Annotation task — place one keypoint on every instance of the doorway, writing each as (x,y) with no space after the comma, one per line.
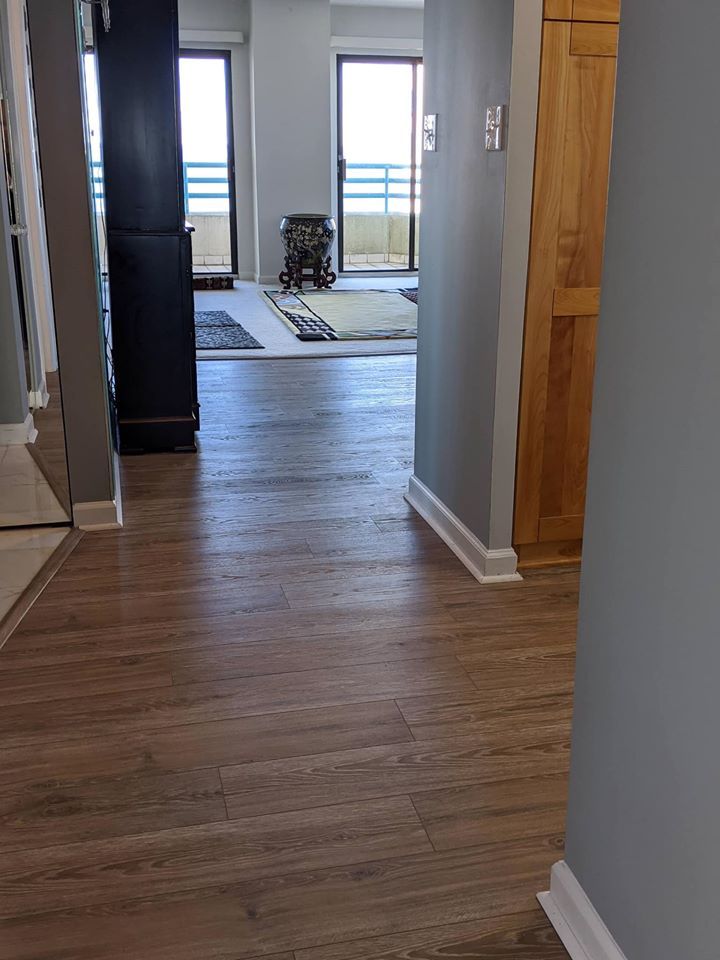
(379,162)
(209,159)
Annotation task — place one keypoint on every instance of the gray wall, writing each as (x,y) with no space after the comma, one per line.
(643,834)
(384,22)
(467,62)
(290,75)
(56,70)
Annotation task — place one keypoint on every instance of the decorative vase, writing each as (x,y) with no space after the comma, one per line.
(308,240)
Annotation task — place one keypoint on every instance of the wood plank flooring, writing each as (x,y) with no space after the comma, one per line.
(274,716)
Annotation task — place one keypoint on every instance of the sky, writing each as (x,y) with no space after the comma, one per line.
(377,121)
(377,127)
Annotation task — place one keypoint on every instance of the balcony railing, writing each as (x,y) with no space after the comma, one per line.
(384,175)
(196,176)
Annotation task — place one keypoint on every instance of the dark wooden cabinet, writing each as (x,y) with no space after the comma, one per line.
(149,244)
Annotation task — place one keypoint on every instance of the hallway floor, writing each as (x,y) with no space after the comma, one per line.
(274,714)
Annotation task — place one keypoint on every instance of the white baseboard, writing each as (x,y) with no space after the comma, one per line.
(17,433)
(575,920)
(98,515)
(246,275)
(39,399)
(271,281)
(487,566)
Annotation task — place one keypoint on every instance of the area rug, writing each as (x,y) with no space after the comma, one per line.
(216,330)
(346,314)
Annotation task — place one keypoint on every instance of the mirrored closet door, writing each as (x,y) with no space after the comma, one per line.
(34,485)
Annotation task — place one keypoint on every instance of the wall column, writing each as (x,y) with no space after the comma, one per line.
(643,844)
(475,229)
(290,83)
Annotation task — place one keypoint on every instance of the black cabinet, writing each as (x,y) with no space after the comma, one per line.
(149,245)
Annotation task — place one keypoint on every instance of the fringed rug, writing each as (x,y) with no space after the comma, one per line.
(347,314)
(216,330)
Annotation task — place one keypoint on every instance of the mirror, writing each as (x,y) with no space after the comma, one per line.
(34,484)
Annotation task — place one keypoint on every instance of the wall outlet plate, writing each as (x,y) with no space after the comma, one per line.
(430,132)
(495,128)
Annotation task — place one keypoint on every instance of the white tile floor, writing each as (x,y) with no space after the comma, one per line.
(23,553)
(246,304)
(373,265)
(25,495)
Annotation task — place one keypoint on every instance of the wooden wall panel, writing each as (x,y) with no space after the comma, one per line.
(597,10)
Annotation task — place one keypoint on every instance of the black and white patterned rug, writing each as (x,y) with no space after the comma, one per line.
(216,330)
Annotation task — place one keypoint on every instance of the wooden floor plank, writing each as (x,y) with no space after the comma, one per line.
(156,864)
(306,782)
(524,936)
(62,682)
(271,915)
(286,656)
(515,709)
(493,812)
(155,709)
(38,642)
(46,765)
(61,811)
(274,613)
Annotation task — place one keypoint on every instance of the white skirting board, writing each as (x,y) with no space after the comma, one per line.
(17,433)
(39,399)
(102,514)
(575,920)
(487,566)
(98,515)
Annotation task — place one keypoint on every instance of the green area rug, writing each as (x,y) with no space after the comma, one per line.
(347,314)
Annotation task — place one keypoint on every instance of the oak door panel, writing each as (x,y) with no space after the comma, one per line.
(594,39)
(558,9)
(577,90)
(576,302)
(602,10)
(549,169)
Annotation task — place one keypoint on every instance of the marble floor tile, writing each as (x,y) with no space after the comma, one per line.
(23,553)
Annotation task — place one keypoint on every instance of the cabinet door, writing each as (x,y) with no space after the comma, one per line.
(577,93)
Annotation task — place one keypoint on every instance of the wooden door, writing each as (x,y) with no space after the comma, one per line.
(577,94)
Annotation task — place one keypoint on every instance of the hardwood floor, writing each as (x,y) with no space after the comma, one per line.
(274,716)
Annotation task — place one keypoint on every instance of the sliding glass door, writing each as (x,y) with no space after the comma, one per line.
(379,162)
(208,159)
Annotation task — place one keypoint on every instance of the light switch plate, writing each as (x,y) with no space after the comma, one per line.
(430,132)
(495,128)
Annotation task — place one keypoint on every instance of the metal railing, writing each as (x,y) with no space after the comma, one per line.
(194,179)
(384,174)
(196,175)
